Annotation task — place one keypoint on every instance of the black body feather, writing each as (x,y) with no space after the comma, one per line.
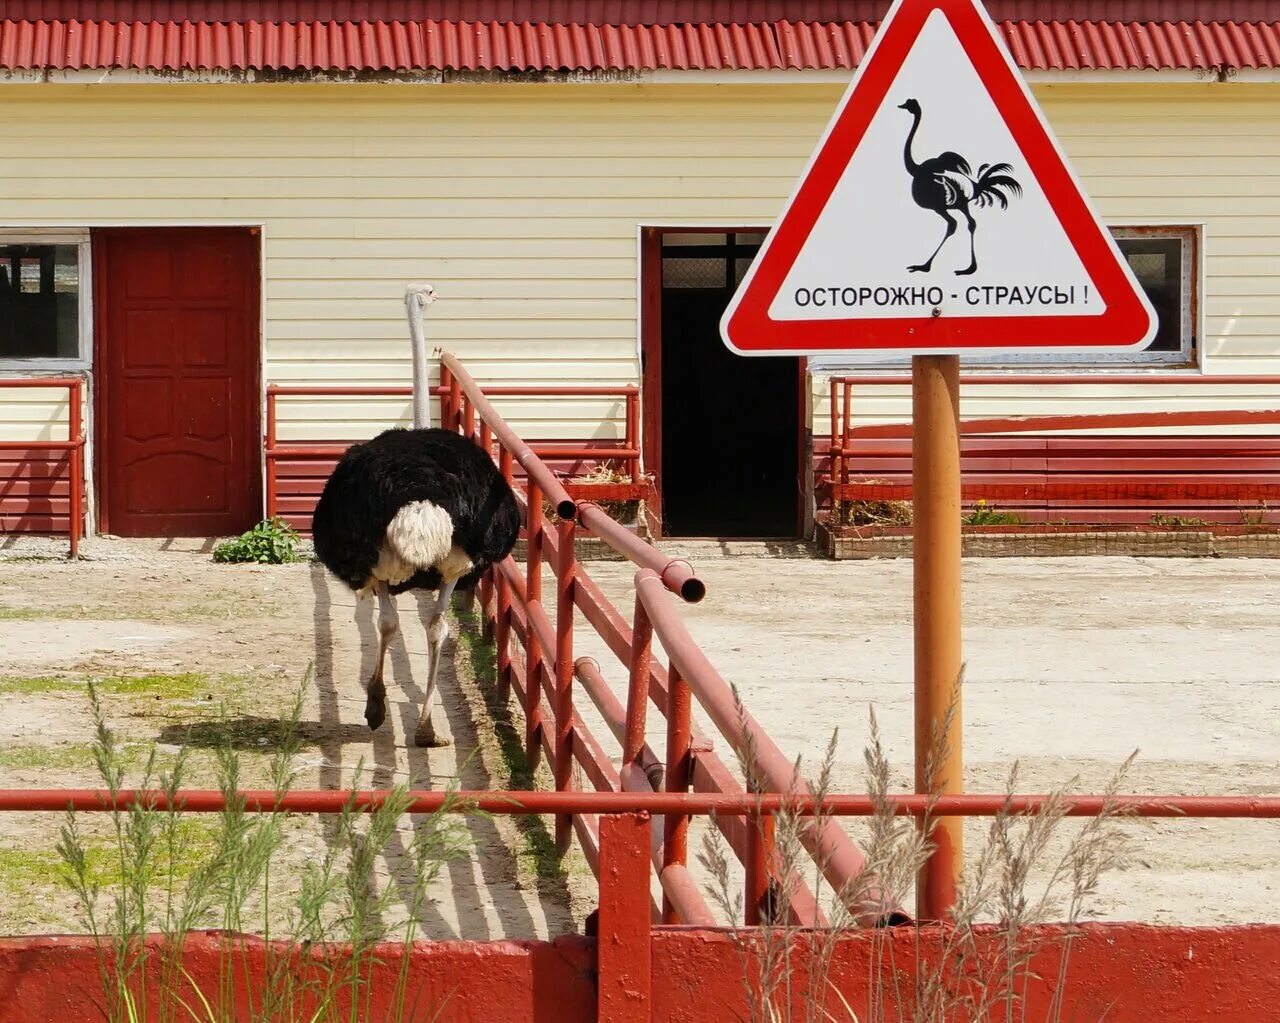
(374,480)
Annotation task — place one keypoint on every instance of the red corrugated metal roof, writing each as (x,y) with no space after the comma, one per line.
(408,47)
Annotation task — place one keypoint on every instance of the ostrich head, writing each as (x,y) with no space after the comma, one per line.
(911,106)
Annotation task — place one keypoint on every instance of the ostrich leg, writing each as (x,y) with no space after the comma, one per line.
(375,707)
(427,733)
(973,254)
(951,229)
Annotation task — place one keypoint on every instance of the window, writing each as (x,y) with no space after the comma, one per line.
(41,299)
(1162,259)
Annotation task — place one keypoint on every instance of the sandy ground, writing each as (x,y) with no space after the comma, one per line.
(177,638)
(1072,664)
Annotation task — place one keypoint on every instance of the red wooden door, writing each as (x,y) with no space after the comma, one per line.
(177,327)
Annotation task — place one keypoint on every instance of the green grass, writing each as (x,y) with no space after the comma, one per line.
(480,661)
(24,869)
(217,606)
(63,756)
(983,514)
(185,685)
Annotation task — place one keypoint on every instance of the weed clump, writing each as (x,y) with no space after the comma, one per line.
(271,542)
(161,876)
(979,965)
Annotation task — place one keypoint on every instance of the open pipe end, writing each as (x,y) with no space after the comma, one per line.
(693,590)
(894,918)
(567,510)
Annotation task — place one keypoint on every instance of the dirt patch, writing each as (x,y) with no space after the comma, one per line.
(189,653)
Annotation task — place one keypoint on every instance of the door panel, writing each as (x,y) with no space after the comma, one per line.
(178,380)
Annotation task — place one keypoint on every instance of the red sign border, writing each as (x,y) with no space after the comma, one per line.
(1127,322)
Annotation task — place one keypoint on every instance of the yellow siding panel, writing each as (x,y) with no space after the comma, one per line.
(522,204)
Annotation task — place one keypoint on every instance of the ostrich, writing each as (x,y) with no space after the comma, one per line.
(946,183)
(413,509)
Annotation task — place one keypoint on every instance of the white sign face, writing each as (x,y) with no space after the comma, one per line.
(937,209)
(938,215)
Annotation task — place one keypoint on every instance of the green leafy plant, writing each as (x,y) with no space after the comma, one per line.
(271,542)
(983,514)
(1176,521)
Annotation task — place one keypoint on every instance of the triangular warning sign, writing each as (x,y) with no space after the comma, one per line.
(937,215)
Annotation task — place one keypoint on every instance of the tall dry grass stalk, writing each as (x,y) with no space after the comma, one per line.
(318,968)
(979,965)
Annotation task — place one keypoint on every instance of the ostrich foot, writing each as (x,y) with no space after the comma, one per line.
(428,736)
(375,705)
(920,268)
(972,268)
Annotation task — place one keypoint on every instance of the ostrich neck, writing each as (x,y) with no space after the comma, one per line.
(912,166)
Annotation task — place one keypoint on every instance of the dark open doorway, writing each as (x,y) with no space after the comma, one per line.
(723,431)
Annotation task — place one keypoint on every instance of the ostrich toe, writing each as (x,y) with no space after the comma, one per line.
(375,706)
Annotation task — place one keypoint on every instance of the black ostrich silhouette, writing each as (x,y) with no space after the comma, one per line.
(946,184)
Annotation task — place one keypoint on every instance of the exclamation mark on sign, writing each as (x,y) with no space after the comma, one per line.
(1086,294)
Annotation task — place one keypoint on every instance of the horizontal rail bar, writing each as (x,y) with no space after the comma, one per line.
(676,575)
(1066,379)
(42,445)
(696,803)
(1091,421)
(537,471)
(404,390)
(288,450)
(36,382)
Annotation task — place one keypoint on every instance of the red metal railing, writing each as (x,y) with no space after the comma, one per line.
(625,455)
(73,446)
(627,983)
(536,660)
(850,467)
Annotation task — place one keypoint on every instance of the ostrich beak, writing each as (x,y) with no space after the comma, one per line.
(903,106)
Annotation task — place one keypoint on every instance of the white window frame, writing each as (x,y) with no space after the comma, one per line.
(60,236)
(1188,357)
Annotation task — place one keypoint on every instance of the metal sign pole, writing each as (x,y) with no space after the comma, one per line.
(935,482)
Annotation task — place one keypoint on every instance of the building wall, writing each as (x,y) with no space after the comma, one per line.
(521,204)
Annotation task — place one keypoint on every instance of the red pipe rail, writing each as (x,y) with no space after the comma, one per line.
(74,446)
(627,456)
(535,659)
(698,804)
(841,487)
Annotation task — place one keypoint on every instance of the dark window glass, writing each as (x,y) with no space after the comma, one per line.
(1157,263)
(39,301)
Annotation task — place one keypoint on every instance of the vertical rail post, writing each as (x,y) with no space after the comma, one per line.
(75,467)
(935,476)
(846,430)
(623,956)
(533,591)
(638,685)
(675,826)
(455,404)
(468,419)
(759,856)
(563,710)
(837,446)
(446,396)
(272,501)
(502,628)
(486,437)
(632,439)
